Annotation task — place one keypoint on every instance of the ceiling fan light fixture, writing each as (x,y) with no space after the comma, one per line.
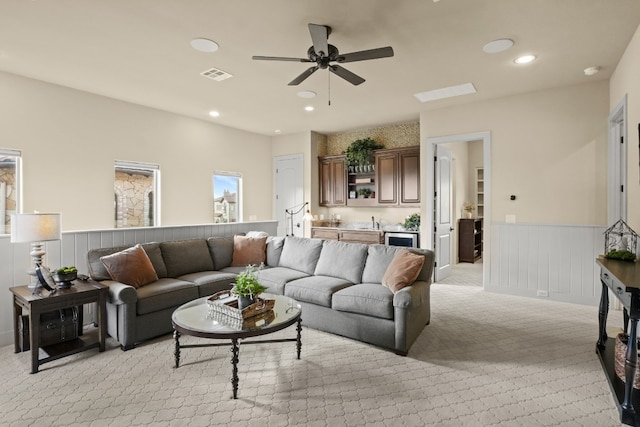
(204,45)
(497,46)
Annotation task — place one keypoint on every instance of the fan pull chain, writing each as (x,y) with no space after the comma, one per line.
(329,84)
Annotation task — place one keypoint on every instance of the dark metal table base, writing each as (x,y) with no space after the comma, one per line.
(235,351)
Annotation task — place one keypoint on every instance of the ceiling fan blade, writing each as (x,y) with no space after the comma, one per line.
(352,78)
(363,55)
(320,36)
(302,77)
(280,58)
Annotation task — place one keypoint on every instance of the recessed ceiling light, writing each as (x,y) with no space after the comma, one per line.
(278,131)
(204,45)
(525,59)
(214,114)
(497,46)
(307,94)
(446,92)
(309,108)
(591,71)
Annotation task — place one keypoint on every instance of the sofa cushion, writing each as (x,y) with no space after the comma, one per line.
(155,256)
(370,299)
(274,250)
(210,282)
(300,254)
(165,293)
(276,278)
(378,258)
(342,260)
(403,270)
(186,256)
(130,266)
(221,249)
(248,250)
(315,289)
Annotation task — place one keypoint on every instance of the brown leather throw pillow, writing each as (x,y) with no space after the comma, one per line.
(131,266)
(248,250)
(403,270)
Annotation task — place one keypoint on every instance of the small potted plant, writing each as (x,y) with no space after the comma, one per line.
(359,155)
(412,222)
(364,193)
(468,208)
(247,286)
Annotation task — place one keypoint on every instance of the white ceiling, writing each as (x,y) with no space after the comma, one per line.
(138,51)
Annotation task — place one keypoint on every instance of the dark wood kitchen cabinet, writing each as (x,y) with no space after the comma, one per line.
(398,176)
(333,183)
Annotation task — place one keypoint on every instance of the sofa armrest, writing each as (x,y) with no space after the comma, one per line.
(119,293)
(415,295)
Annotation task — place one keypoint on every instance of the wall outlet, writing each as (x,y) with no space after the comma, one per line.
(543,293)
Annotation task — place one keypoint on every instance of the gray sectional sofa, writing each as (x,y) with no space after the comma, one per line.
(337,284)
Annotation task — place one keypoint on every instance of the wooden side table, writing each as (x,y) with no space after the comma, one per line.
(77,295)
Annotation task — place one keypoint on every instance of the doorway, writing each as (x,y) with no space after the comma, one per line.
(289,191)
(471,178)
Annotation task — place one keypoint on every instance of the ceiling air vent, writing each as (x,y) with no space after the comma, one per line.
(216,74)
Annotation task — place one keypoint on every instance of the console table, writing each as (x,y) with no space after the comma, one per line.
(77,295)
(623,278)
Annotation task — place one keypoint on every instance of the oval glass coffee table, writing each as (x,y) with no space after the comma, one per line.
(195,318)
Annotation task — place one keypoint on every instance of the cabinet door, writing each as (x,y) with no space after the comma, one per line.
(410,177)
(339,174)
(326,185)
(387,179)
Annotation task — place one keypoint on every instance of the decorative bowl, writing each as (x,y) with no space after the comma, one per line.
(64,279)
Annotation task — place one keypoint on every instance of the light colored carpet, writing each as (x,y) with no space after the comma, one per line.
(485,360)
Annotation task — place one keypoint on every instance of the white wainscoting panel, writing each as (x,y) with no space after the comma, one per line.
(73,248)
(559,260)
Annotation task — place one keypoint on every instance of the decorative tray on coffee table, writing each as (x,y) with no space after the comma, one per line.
(226,303)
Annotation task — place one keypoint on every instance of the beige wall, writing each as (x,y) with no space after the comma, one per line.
(69,140)
(548,148)
(625,81)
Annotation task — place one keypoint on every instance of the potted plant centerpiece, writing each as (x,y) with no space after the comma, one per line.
(247,286)
(359,155)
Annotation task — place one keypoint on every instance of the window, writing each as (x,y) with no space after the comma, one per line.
(136,194)
(227,197)
(10,194)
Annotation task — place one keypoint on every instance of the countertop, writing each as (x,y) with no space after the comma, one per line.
(359,226)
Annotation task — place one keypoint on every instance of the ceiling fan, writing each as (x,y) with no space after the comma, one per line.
(323,54)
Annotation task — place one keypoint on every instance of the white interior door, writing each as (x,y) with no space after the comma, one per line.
(289,192)
(443,213)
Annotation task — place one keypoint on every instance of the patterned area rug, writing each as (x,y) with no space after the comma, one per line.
(485,360)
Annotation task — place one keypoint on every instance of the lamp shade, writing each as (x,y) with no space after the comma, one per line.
(35,227)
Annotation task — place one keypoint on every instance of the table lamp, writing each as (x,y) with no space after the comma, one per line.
(35,228)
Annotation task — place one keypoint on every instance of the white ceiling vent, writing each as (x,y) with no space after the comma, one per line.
(216,74)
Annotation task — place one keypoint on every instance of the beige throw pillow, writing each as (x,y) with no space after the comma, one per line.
(403,270)
(248,250)
(131,266)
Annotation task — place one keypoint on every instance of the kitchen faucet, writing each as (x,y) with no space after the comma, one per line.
(375,225)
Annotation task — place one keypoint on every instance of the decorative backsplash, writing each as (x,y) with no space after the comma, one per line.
(390,136)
